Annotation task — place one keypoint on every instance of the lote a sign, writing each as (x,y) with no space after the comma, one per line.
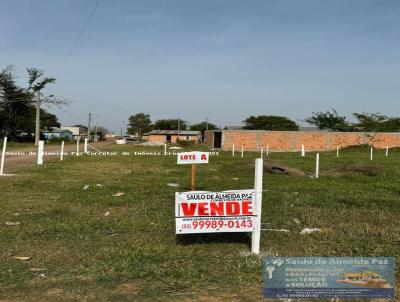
(194,157)
(213,212)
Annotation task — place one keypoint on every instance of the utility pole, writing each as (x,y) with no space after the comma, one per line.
(179,126)
(206,124)
(95,133)
(88,127)
(37,126)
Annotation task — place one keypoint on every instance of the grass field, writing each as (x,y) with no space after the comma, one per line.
(88,245)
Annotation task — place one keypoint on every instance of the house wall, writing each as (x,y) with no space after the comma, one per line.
(157,138)
(174,138)
(253,140)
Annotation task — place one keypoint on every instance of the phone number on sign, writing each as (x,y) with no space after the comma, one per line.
(217,224)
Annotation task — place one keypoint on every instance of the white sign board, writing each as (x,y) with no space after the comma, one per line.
(194,157)
(215,212)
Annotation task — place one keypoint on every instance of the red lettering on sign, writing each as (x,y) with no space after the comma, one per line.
(246,208)
(189,209)
(188,157)
(203,209)
(203,157)
(229,208)
(216,208)
(232,208)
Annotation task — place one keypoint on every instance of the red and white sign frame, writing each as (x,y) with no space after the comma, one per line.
(202,214)
(215,212)
(194,157)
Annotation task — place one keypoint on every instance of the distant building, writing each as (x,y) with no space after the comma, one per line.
(284,141)
(172,136)
(58,134)
(77,132)
(233,127)
(312,128)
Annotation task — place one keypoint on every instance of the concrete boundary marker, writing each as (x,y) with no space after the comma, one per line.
(317,166)
(40,153)
(3,156)
(258,187)
(62,151)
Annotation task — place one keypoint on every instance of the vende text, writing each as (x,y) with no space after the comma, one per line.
(227,208)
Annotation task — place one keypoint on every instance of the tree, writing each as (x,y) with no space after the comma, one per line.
(15,104)
(375,122)
(329,120)
(139,123)
(270,122)
(36,83)
(17,112)
(48,120)
(203,126)
(170,124)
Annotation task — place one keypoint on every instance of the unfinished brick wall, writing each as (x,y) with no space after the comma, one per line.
(253,140)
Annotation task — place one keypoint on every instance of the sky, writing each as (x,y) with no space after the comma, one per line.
(223,60)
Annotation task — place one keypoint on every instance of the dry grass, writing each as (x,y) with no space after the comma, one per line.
(132,254)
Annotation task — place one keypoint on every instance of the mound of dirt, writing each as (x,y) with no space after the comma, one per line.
(353,168)
(273,167)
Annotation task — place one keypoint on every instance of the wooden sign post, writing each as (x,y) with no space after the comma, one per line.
(193,158)
(193,184)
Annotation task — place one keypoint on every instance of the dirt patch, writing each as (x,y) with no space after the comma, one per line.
(352,169)
(127,288)
(273,167)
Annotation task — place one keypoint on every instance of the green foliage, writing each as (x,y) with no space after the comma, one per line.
(270,122)
(329,120)
(203,127)
(170,124)
(17,108)
(375,122)
(139,123)
(36,81)
(368,122)
(48,120)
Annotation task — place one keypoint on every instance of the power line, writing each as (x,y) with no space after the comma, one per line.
(78,38)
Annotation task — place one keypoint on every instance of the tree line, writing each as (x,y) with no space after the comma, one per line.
(141,123)
(17,104)
(330,120)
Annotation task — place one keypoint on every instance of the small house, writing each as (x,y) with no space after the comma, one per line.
(58,134)
(172,136)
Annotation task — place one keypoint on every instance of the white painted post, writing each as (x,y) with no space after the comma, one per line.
(262,152)
(62,151)
(387,151)
(371,157)
(40,153)
(317,166)
(3,156)
(77,147)
(337,151)
(267,150)
(233,150)
(242,151)
(165,148)
(85,147)
(258,187)
(303,151)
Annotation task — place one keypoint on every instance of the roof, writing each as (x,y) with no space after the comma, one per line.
(172,132)
(57,131)
(233,127)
